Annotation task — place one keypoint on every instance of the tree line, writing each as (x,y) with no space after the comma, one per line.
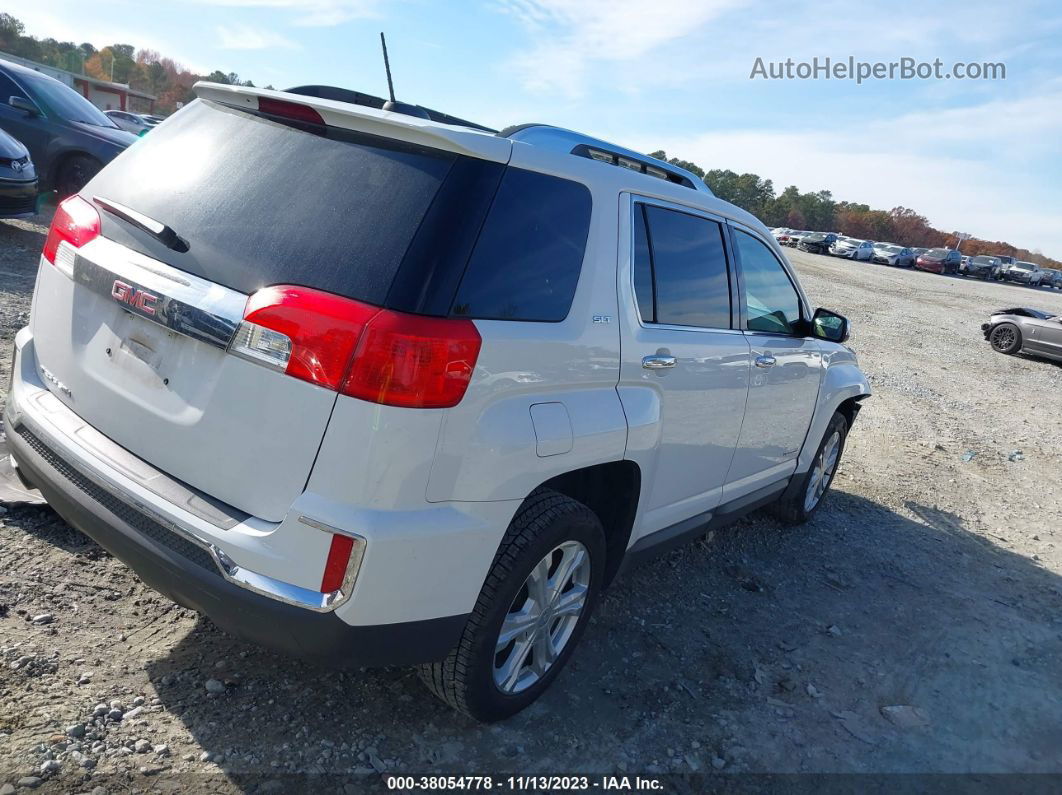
(820,212)
(145,70)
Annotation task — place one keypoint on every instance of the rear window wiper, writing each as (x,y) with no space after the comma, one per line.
(164,234)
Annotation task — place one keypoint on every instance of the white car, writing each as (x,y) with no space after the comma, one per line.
(850,248)
(130,122)
(408,426)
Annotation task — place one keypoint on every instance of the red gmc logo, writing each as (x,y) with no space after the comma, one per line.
(139,299)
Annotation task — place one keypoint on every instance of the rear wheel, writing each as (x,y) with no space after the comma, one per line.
(531,612)
(1005,338)
(805,495)
(75,173)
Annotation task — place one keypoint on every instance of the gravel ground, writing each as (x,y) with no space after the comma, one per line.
(913,626)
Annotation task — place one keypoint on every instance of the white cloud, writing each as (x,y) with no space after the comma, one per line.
(314,13)
(569,35)
(243,37)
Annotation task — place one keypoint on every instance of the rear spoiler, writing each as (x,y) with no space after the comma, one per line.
(399,126)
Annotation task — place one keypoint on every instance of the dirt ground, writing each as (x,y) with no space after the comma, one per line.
(915,626)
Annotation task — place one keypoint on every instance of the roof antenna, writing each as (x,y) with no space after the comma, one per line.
(393,104)
(387,67)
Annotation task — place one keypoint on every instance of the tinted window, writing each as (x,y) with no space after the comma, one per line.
(261,202)
(643,267)
(526,263)
(771,301)
(62,100)
(8,89)
(689,269)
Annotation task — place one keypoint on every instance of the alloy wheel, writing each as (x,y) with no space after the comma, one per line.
(822,471)
(542,617)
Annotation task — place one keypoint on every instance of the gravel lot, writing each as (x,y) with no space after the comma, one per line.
(914,626)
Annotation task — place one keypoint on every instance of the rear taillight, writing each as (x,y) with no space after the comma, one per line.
(75,223)
(359,350)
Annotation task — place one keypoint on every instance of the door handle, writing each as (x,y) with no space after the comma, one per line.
(765,361)
(658,362)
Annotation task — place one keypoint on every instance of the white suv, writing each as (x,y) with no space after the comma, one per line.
(369,388)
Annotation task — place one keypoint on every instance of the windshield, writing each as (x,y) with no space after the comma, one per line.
(984,260)
(893,249)
(938,252)
(66,103)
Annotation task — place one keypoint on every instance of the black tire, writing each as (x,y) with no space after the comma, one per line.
(792,508)
(465,678)
(1005,338)
(75,173)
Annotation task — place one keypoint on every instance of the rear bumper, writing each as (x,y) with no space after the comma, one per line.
(132,528)
(258,619)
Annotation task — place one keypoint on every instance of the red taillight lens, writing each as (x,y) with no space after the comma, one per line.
(289,110)
(75,221)
(374,354)
(335,570)
(322,331)
(413,361)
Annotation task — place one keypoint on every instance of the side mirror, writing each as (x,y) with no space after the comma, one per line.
(23,104)
(829,326)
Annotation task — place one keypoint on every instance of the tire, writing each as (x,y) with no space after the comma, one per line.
(1005,338)
(75,173)
(796,506)
(548,526)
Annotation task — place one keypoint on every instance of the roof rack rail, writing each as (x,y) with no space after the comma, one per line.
(562,140)
(370,101)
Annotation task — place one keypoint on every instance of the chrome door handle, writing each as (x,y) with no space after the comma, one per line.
(658,362)
(765,361)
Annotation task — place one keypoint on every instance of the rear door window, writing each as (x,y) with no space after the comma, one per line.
(689,284)
(527,260)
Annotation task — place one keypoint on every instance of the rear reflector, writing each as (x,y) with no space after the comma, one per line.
(75,222)
(289,110)
(360,350)
(336,565)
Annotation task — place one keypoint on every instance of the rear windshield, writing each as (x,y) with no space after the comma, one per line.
(260,202)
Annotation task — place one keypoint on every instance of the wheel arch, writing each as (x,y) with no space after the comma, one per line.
(611,490)
(60,159)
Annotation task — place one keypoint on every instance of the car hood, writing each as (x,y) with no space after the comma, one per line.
(109,134)
(1024,311)
(11,148)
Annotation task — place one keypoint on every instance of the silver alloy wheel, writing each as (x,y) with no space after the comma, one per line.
(822,471)
(542,617)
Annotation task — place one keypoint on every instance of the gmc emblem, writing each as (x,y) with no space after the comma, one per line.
(135,297)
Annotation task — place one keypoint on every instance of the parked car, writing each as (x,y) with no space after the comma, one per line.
(1025,330)
(892,254)
(18,179)
(850,248)
(981,266)
(939,260)
(69,139)
(1028,273)
(793,238)
(403,511)
(130,122)
(1052,278)
(817,242)
(918,252)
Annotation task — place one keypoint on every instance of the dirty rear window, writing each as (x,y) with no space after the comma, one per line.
(262,202)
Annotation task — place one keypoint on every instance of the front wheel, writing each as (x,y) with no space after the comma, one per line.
(805,495)
(75,174)
(1005,338)
(531,612)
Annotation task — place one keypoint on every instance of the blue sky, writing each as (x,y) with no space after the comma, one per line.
(983,157)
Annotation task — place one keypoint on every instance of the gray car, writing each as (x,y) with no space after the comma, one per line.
(69,139)
(1025,330)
